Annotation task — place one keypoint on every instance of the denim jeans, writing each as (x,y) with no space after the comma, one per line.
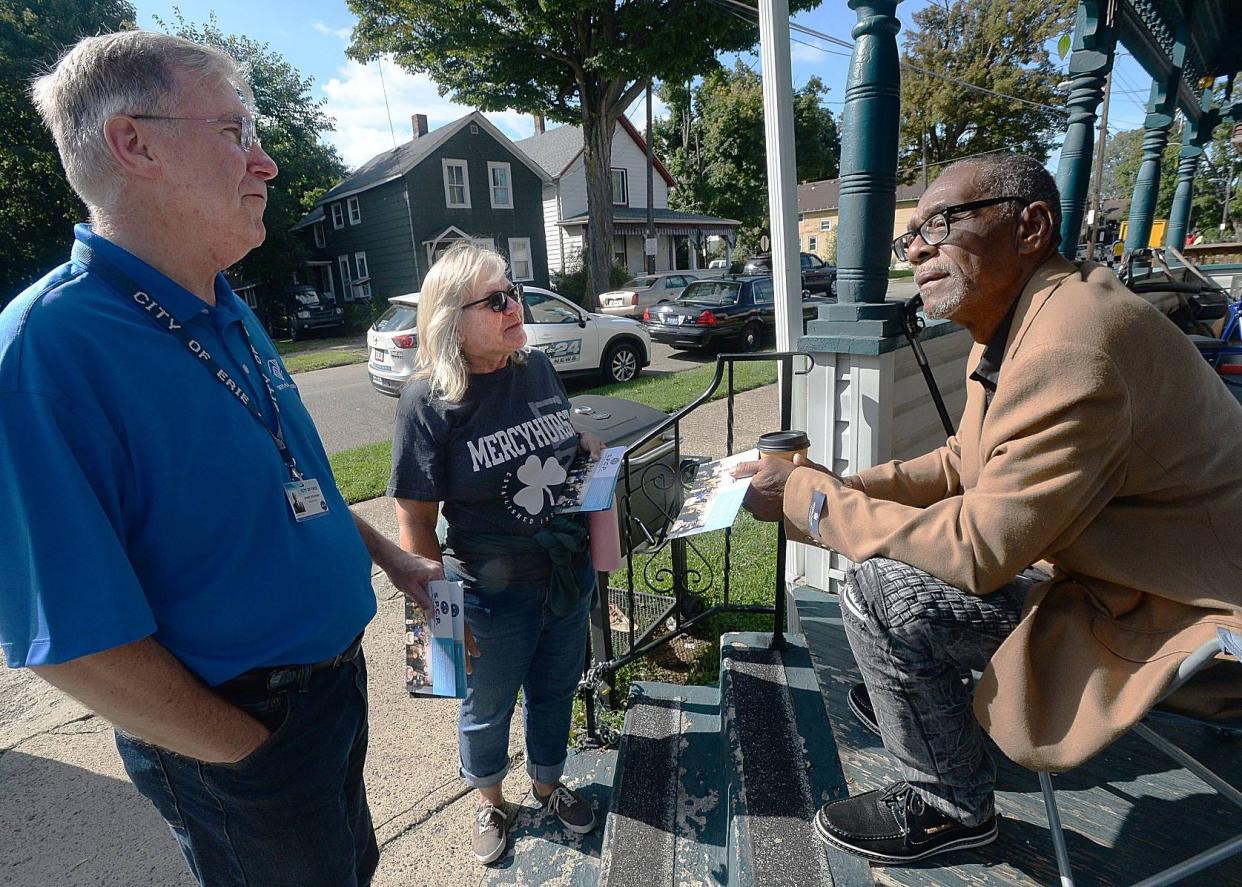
(915,638)
(292,814)
(522,645)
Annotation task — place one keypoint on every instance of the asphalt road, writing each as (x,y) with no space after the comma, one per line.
(349,412)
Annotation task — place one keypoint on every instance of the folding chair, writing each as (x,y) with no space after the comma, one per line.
(1225,642)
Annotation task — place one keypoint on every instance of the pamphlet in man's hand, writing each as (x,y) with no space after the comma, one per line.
(714,497)
(435,646)
(589,485)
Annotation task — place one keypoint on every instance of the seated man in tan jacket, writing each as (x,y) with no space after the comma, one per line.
(1095,440)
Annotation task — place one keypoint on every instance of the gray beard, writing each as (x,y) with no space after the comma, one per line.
(949,303)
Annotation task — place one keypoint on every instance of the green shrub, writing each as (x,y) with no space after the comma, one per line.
(572,283)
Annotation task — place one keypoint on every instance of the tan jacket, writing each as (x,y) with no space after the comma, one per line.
(1111,450)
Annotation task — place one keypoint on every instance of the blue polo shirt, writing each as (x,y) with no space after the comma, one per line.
(139,497)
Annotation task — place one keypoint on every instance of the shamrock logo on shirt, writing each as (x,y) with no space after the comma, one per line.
(537,478)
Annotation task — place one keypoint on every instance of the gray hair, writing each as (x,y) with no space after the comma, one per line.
(448,285)
(1019,175)
(128,72)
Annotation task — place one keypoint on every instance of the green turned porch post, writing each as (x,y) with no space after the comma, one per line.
(1095,39)
(1161,109)
(1194,138)
(868,203)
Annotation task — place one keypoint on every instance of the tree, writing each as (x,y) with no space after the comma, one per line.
(713,141)
(290,123)
(39,207)
(999,45)
(574,61)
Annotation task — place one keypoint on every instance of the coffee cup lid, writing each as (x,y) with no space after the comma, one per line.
(783,441)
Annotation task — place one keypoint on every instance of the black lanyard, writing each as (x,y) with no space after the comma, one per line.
(163,319)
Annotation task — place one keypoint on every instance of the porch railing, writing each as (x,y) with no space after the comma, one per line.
(649,497)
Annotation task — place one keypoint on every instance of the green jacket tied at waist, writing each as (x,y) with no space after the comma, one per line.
(563,540)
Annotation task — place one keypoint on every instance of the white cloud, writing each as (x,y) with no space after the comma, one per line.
(801,52)
(355,98)
(342,34)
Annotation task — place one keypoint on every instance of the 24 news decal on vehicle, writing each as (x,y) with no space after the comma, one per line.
(563,351)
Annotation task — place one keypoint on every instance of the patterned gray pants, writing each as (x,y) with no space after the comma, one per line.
(915,638)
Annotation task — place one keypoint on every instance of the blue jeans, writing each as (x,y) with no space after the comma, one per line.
(292,814)
(522,645)
(914,638)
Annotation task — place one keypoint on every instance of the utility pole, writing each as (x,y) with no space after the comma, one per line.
(1098,172)
(924,158)
(649,247)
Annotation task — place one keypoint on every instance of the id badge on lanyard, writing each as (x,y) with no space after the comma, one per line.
(303,494)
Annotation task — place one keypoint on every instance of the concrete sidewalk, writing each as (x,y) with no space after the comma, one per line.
(71,817)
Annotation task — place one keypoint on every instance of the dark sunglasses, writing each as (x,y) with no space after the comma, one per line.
(499,300)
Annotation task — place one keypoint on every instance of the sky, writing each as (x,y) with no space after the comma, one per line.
(313,35)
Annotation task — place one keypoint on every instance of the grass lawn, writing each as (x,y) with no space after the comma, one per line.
(362,472)
(901,275)
(319,354)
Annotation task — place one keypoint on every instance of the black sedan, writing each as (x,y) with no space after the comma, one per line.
(737,310)
(817,275)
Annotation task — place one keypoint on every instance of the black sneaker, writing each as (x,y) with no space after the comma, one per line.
(859,701)
(894,826)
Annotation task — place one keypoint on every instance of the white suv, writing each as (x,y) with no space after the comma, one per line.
(577,341)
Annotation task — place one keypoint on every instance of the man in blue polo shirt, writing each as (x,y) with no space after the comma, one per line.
(174,551)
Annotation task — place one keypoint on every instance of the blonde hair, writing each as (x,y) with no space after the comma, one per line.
(448,285)
(128,72)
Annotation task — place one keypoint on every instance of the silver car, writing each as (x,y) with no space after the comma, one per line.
(639,293)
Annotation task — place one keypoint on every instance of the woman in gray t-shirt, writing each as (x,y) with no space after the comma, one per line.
(484,429)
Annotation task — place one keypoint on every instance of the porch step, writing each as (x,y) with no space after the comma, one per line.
(666,822)
(781,764)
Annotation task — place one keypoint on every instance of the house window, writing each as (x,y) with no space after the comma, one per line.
(618,249)
(498,178)
(342,264)
(520,265)
(825,224)
(620,187)
(319,238)
(456,184)
(812,243)
(801,217)
(338,217)
(355,211)
(362,287)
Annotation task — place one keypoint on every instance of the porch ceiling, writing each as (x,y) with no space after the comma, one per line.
(1149,29)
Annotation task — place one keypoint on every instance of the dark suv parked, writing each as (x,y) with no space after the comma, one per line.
(817,275)
(300,308)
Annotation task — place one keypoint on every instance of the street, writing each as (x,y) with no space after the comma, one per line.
(348,412)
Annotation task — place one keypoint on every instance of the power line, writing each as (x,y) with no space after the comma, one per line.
(837,41)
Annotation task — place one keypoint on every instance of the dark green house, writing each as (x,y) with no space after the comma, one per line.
(377,233)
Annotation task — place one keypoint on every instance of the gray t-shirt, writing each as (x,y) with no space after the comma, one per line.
(496,460)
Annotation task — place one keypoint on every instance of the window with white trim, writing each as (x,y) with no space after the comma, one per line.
(812,243)
(342,265)
(620,187)
(825,224)
(355,211)
(362,287)
(320,241)
(500,186)
(520,264)
(456,184)
(338,217)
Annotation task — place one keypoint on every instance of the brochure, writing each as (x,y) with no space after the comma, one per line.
(435,653)
(589,485)
(714,497)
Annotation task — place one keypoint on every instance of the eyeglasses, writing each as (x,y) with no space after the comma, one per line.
(499,300)
(935,228)
(247,136)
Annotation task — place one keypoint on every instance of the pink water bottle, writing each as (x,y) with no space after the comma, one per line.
(605,529)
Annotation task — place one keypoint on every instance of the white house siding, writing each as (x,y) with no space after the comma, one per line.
(551,230)
(627,155)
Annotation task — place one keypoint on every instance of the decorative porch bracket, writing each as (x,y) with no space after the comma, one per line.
(1194,140)
(1161,109)
(1095,42)
(869,136)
